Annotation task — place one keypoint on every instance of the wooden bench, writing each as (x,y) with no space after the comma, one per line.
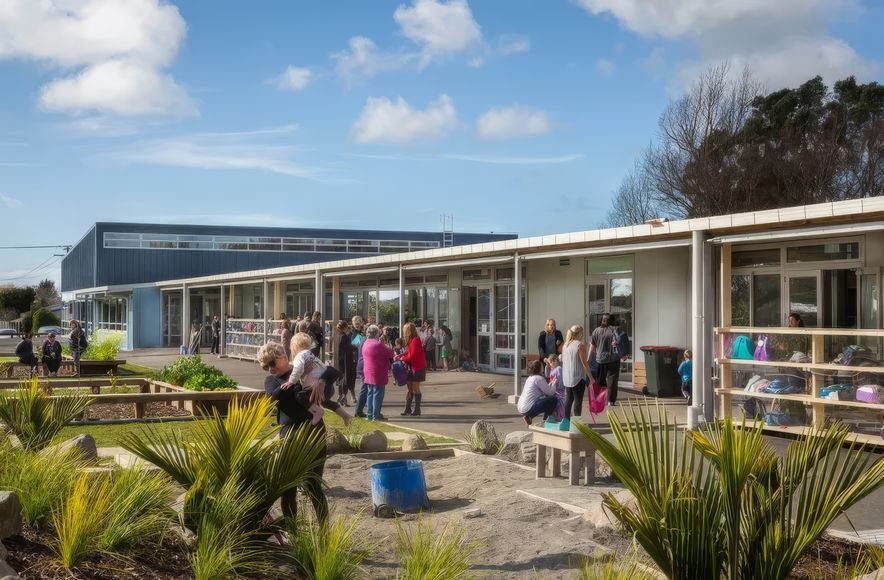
(8,368)
(581,453)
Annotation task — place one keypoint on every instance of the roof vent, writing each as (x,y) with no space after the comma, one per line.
(656,222)
(564,261)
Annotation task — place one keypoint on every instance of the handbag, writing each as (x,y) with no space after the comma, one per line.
(598,399)
(400,373)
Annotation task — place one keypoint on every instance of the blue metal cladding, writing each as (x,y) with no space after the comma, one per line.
(78,266)
(121,266)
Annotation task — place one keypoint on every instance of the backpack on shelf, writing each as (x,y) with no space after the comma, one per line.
(742,348)
(761,349)
(870,394)
(851,352)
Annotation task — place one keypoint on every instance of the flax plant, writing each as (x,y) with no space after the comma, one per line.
(327,550)
(720,503)
(80,519)
(140,511)
(35,417)
(426,555)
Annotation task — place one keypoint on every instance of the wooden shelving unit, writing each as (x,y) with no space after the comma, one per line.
(819,370)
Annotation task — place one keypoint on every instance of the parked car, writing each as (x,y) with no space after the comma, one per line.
(56,329)
(7,332)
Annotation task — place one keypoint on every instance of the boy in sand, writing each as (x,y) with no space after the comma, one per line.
(313,393)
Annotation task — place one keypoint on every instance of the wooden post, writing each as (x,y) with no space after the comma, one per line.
(818,353)
(574,465)
(557,462)
(589,467)
(725,317)
(541,461)
(139,410)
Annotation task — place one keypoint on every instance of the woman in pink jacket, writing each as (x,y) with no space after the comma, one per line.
(377,358)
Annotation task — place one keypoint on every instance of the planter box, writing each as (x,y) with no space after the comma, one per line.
(204,407)
(98,367)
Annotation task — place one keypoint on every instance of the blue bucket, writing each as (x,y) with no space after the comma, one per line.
(398,486)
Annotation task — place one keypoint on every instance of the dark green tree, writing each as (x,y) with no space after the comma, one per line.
(45,294)
(17,299)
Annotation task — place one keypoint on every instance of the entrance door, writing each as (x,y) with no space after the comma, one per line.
(612,294)
(803,297)
(484,326)
(172,319)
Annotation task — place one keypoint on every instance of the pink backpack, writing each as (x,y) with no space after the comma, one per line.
(598,398)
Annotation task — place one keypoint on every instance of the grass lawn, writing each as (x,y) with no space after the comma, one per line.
(4,359)
(110,435)
(134,370)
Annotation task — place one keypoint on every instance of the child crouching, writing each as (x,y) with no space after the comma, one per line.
(311,391)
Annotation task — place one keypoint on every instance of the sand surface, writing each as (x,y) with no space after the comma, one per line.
(521,537)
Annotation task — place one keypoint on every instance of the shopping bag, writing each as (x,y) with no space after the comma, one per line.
(400,373)
(598,399)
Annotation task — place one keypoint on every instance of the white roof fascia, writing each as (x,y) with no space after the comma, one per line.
(458,263)
(817,232)
(608,250)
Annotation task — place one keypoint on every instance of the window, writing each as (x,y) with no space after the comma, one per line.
(609,265)
(159,241)
(823,252)
(477,274)
(756,258)
(231,243)
(298,245)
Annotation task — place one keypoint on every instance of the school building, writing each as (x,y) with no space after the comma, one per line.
(695,284)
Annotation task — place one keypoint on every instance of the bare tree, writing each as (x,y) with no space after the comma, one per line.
(635,201)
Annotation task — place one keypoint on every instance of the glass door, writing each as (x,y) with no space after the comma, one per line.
(803,297)
(484,326)
(172,319)
(613,295)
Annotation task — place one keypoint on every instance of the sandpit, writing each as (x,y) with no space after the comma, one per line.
(522,536)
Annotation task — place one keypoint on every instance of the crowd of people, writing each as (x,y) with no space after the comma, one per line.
(557,381)
(50,351)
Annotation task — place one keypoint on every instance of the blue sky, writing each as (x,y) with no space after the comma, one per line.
(519,116)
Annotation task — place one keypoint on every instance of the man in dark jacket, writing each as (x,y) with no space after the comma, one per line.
(550,340)
(25,353)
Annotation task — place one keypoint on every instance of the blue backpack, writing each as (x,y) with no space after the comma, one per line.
(624,347)
(742,348)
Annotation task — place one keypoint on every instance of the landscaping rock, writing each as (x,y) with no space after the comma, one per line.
(473,513)
(335,442)
(84,443)
(601,518)
(10,514)
(3,551)
(7,573)
(517,437)
(373,442)
(414,443)
(527,452)
(876,575)
(484,438)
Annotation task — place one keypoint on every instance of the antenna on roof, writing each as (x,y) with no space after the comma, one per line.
(447,230)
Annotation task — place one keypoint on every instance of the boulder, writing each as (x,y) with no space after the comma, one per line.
(414,443)
(373,442)
(7,573)
(3,551)
(84,443)
(335,441)
(876,575)
(10,514)
(527,452)
(484,438)
(517,437)
(598,516)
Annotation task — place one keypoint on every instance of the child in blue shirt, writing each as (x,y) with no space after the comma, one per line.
(686,372)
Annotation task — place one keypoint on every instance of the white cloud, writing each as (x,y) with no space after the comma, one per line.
(440,28)
(294,79)
(509,44)
(252,150)
(512,122)
(119,87)
(363,59)
(397,122)
(605,66)
(785,42)
(106,48)
(9,202)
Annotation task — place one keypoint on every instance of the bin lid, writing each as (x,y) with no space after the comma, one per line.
(658,347)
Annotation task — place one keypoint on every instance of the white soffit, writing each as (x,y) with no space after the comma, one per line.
(609,250)
(458,263)
(816,232)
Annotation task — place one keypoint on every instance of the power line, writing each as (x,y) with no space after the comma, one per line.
(63,246)
(45,264)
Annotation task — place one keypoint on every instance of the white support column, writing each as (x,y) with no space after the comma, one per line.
(698,343)
(318,292)
(185,315)
(708,334)
(222,350)
(517,375)
(265,298)
(401,298)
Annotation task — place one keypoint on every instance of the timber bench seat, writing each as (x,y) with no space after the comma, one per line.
(8,369)
(581,453)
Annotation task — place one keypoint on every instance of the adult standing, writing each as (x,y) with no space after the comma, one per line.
(417,373)
(25,352)
(315,330)
(446,345)
(291,415)
(216,335)
(377,358)
(286,336)
(357,339)
(78,344)
(51,351)
(550,340)
(538,396)
(345,362)
(430,347)
(575,369)
(603,344)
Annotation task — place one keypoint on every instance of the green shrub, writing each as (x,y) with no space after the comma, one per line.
(80,518)
(43,317)
(34,417)
(41,480)
(192,373)
(424,554)
(102,346)
(327,551)
(139,511)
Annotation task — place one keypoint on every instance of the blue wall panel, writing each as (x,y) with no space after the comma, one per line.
(147,317)
(78,266)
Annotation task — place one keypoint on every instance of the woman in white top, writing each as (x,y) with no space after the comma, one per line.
(537,396)
(575,369)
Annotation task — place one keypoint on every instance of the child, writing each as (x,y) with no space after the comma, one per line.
(686,372)
(430,348)
(554,374)
(397,347)
(314,392)
(446,345)
(468,364)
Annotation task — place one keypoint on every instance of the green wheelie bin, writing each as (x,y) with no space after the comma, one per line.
(661,365)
